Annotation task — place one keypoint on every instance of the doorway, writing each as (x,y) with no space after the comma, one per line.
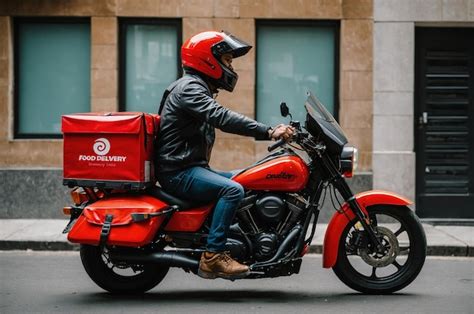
(444,122)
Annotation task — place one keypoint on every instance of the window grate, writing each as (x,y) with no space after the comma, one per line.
(446,96)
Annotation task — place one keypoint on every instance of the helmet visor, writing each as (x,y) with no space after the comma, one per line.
(230,44)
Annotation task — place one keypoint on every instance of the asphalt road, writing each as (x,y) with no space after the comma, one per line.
(44,282)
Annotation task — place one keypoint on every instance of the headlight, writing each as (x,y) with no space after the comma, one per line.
(349,159)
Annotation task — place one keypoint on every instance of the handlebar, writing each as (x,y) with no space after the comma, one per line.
(277,144)
(303,139)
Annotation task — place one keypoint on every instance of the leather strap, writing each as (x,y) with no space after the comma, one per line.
(104,233)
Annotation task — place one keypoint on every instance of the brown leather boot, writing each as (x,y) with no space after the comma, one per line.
(213,265)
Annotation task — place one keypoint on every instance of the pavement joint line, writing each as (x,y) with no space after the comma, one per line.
(20,230)
(452,236)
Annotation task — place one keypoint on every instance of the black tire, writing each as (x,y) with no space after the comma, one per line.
(347,268)
(94,260)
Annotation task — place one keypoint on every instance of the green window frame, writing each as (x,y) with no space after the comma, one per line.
(293,57)
(150,60)
(51,73)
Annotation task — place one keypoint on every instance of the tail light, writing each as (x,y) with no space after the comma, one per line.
(80,195)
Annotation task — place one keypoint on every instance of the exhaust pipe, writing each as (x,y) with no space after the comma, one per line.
(170,259)
(285,245)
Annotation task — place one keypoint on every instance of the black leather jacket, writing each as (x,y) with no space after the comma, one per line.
(188,119)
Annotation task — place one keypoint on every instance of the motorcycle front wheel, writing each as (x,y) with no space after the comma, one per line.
(364,269)
(119,278)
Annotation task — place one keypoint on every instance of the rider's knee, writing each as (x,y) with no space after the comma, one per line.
(235,190)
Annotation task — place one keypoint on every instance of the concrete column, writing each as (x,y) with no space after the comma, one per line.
(394,157)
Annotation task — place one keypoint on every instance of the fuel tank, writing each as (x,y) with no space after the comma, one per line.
(287,173)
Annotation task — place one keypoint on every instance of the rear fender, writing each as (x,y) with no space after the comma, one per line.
(341,219)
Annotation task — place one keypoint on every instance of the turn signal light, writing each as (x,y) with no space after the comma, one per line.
(79,196)
(67,210)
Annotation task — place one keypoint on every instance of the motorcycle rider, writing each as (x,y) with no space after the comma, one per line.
(189,116)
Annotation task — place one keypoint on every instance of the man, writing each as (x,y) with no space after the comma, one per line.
(189,115)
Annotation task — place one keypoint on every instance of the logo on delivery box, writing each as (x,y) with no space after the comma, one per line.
(101,148)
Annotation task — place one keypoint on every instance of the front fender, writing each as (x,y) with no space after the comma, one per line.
(342,217)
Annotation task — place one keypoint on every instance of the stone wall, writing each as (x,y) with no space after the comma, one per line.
(237,16)
(32,193)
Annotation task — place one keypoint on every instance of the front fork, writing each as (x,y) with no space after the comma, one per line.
(364,220)
(341,185)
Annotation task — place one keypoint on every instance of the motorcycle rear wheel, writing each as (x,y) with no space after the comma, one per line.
(113,278)
(373,273)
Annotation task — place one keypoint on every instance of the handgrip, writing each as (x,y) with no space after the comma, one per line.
(277,144)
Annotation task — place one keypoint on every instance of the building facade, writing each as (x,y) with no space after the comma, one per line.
(424,104)
(359,56)
(121,54)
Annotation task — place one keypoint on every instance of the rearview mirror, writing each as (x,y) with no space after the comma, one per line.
(284,109)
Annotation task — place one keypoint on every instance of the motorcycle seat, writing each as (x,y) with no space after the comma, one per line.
(159,193)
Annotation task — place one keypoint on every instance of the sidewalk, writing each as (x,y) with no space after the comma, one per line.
(46,234)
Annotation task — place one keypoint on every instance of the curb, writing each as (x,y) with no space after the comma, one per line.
(450,251)
(447,250)
(38,246)
(430,250)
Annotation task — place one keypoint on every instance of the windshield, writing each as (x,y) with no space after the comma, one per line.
(317,109)
(321,123)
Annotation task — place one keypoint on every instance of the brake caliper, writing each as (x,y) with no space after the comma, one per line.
(390,245)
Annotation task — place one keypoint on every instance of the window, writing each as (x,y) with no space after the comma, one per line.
(149,61)
(292,58)
(52,74)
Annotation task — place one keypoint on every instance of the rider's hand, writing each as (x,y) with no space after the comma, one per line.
(281,131)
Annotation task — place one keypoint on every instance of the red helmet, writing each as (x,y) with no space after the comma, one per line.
(203,53)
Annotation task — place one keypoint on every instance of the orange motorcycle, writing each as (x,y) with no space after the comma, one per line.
(131,234)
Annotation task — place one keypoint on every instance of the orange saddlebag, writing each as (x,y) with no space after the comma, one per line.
(109,221)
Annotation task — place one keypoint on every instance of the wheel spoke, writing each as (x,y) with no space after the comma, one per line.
(397,265)
(404,250)
(397,233)
(373,275)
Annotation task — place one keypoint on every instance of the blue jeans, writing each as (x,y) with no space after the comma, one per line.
(205,185)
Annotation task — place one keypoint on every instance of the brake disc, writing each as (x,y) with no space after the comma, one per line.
(391,249)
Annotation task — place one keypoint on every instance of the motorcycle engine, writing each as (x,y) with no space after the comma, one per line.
(267,218)
(265,245)
(270,208)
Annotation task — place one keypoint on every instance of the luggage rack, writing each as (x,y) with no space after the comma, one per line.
(120,185)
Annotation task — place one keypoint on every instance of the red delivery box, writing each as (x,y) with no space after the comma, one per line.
(109,150)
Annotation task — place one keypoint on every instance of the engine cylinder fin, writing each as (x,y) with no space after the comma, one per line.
(282,225)
(295,215)
(252,222)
